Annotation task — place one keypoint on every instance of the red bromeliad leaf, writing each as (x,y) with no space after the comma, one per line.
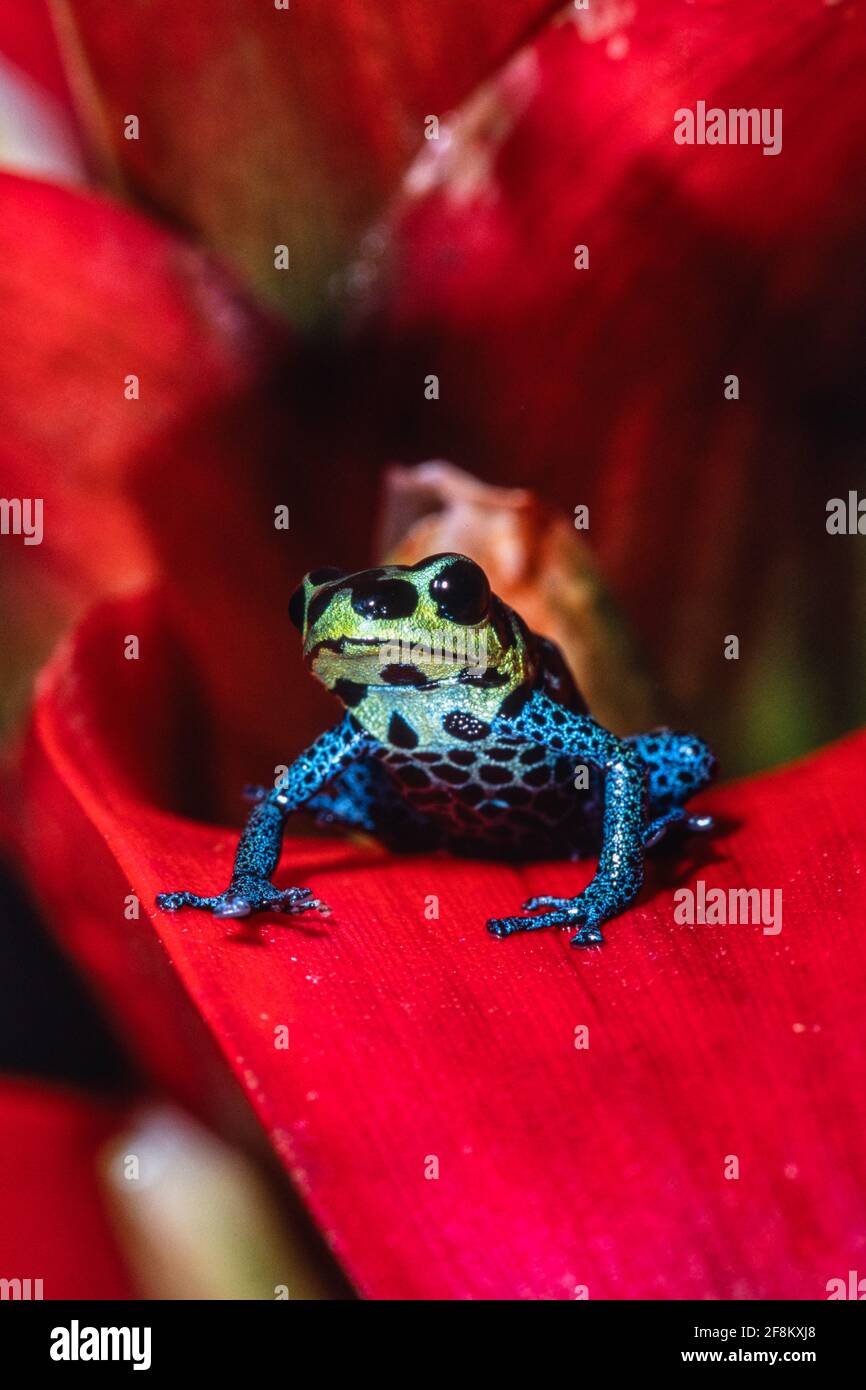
(418,1045)
(186,476)
(183,479)
(39,133)
(264,125)
(605,385)
(54,1223)
(90,296)
(27,40)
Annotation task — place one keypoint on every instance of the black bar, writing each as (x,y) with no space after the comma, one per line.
(259,1340)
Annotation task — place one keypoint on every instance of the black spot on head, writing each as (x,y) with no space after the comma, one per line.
(471,794)
(537,776)
(350,692)
(461,592)
(460,724)
(500,755)
(374,597)
(486,680)
(404,674)
(400,733)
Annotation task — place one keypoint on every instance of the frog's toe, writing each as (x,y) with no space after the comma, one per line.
(507,926)
(587,936)
(232,905)
(264,897)
(503,926)
(298,900)
(248,895)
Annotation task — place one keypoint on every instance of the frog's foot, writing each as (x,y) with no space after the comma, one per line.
(245,896)
(587,912)
(657,829)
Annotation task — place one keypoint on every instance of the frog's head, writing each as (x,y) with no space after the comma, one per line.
(409,630)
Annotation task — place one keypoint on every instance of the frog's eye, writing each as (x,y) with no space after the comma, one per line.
(375,597)
(461,592)
(297,606)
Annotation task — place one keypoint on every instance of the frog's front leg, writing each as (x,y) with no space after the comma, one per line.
(620,869)
(258,855)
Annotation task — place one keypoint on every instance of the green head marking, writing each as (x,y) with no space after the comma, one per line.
(425,638)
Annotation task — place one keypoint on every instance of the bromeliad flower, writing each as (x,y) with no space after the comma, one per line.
(555,294)
(466,1117)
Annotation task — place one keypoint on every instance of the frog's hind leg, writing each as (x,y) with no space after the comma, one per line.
(678,767)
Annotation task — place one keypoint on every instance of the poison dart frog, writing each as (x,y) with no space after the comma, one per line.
(465,731)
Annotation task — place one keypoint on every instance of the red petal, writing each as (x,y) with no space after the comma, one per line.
(54,1224)
(605,386)
(27,39)
(413,1038)
(260,125)
(91,294)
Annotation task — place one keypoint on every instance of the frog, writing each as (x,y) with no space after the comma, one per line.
(462,731)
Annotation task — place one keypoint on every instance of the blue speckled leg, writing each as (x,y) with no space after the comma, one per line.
(250,889)
(620,867)
(678,767)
